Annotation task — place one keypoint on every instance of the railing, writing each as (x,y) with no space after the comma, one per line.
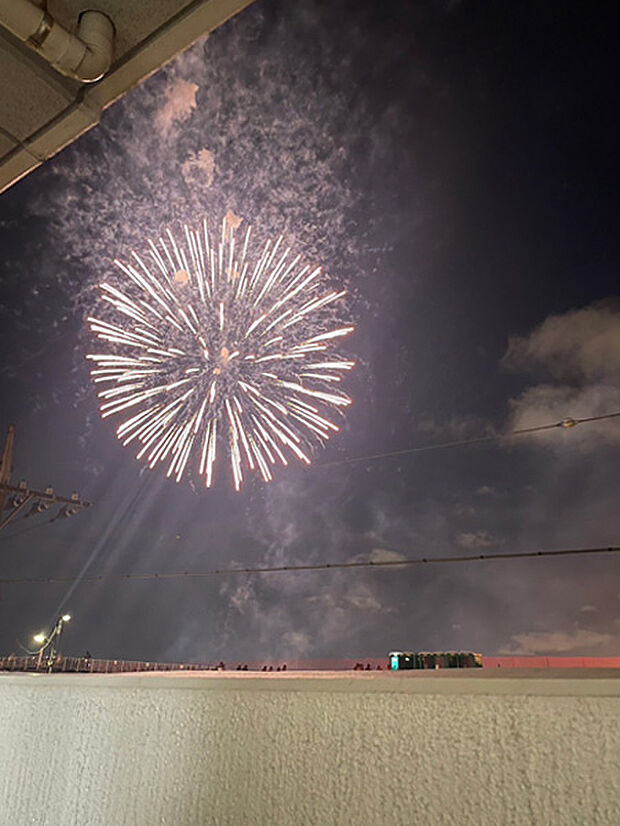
(551,662)
(87,665)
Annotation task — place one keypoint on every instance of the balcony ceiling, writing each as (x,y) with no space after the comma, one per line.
(41,111)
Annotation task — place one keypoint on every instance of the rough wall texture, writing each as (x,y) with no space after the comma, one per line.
(84,751)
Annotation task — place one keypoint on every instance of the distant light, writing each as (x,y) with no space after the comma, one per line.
(66,617)
(39,638)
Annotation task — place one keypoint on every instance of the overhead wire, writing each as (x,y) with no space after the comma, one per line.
(321,566)
(24,529)
(492,437)
(563,423)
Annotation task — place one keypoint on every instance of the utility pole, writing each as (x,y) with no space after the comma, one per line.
(5,465)
(16,499)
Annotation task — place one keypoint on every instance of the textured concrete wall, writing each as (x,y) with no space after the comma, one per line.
(351,749)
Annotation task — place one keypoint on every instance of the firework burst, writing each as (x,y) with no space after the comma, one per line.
(211,347)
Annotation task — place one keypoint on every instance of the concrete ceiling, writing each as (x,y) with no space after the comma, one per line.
(42,111)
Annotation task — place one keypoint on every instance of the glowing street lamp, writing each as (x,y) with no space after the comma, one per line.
(47,642)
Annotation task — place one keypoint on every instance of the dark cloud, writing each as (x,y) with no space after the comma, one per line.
(477,539)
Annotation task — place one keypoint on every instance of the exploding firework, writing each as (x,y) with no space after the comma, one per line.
(209,346)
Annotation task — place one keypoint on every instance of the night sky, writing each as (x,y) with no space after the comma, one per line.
(453,166)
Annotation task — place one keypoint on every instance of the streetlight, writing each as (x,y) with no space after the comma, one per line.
(47,642)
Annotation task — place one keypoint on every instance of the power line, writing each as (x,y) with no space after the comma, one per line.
(24,530)
(475,440)
(323,566)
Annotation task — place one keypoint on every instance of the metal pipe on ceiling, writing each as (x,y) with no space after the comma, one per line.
(85,57)
(83,112)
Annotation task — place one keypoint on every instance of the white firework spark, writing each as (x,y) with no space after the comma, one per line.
(206,346)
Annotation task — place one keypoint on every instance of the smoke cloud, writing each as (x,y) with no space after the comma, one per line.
(180,102)
(578,641)
(580,352)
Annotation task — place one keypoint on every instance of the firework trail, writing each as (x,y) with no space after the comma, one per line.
(207,344)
